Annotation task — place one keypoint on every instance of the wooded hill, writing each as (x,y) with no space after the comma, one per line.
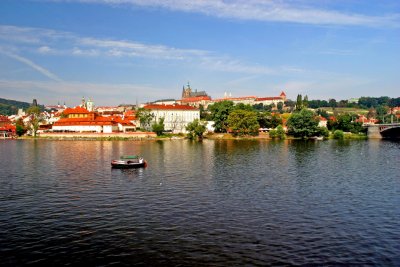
(10,107)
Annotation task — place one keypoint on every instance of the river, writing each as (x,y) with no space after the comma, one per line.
(210,203)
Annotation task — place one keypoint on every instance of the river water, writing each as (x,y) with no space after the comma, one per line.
(214,203)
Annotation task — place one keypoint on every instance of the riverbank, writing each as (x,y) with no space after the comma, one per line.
(141,136)
(96,136)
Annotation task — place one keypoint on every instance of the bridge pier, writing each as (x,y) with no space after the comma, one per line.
(379,131)
(374,132)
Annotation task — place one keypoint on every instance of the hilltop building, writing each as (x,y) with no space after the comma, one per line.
(194,98)
(253,100)
(188,93)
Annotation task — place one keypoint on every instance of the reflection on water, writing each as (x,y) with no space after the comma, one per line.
(223,202)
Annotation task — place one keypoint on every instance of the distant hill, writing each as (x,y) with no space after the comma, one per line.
(10,107)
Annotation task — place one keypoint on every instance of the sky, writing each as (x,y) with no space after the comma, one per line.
(134,51)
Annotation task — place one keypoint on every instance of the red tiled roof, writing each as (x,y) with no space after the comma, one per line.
(269,98)
(195,99)
(170,107)
(322,118)
(8,127)
(99,120)
(4,119)
(282,94)
(75,110)
(235,98)
(130,113)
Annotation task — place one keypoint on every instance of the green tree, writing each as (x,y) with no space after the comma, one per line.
(279,106)
(244,107)
(332,103)
(338,134)
(302,124)
(219,114)
(322,131)
(243,122)
(204,114)
(269,120)
(158,128)
(305,102)
(290,105)
(35,118)
(20,127)
(299,103)
(145,117)
(196,129)
(381,112)
(280,132)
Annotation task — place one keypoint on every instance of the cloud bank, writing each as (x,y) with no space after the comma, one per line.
(260,10)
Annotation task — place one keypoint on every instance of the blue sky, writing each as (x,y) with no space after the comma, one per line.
(124,51)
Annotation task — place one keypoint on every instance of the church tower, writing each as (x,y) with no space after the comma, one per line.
(90,105)
(186,92)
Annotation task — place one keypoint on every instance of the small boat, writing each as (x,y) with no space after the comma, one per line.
(128,161)
(317,137)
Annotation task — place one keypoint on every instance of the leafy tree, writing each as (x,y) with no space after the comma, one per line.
(338,134)
(243,107)
(145,117)
(381,112)
(280,132)
(35,118)
(371,113)
(269,120)
(204,114)
(279,106)
(344,123)
(302,124)
(299,103)
(243,122)
(332,103)
(259,106)
(219,114)
(196,129)
(305,102)
(158,128)
(273,133)
(322,131)
(289,104)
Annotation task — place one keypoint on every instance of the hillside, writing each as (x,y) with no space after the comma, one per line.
(10,107)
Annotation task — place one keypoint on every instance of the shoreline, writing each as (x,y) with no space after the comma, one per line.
(151,136)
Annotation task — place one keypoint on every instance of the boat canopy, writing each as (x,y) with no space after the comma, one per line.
(129,157)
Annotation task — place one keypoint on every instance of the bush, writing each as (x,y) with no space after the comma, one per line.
(323,131)
(273,133)
(280,132)
(338,134)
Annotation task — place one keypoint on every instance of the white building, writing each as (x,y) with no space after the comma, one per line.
(176,117)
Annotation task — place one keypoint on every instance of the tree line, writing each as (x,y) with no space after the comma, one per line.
(363,102)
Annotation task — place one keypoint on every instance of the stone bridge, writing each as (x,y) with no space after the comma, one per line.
(379,131)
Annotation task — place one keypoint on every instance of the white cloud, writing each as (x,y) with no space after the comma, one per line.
(260,10)
(51,42)
(101,93)
(45,50)
(33,65)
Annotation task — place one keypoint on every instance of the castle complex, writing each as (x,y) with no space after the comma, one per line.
(198,98)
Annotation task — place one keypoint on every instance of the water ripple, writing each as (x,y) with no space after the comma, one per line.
(215,203)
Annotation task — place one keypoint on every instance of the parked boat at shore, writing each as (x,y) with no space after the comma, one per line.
(317,137)
(128,161)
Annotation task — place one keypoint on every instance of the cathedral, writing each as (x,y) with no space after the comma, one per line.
(187,92)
